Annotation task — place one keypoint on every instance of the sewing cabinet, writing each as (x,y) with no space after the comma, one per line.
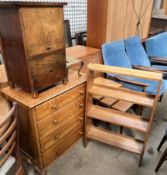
(33,44)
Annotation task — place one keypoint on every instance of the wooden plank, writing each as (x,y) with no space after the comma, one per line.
(116,20)
(96,25)
(100,81)
(122,94)
(116,140)
(125,71)
(122,105)
(118,118)
(108,101)
(146,12)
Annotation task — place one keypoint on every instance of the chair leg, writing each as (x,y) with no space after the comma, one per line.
(121,129)
(141,159)
(160,98)
(162,142)
(161,161)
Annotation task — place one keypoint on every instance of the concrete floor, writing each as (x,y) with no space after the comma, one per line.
(101,159)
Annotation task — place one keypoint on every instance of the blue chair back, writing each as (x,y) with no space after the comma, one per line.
(136,52)
(114,54)
(156,46)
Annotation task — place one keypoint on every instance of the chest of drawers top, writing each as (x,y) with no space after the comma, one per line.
(26,100)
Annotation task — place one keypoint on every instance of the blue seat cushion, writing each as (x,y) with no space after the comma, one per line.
(151,88)
(136,52)
(156,46)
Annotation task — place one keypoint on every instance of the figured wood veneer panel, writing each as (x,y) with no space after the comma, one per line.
(44,32)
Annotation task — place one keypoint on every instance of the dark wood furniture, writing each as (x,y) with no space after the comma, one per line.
(67,30)
(9,142)
(33,44)
(109,20)
(164,155)
(113,90)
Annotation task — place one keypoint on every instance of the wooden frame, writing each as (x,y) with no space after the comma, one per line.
(111,91)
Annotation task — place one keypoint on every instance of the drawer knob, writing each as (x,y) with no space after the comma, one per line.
(55,122)
(81,105)
(81,92)
(57,137)
(54,107)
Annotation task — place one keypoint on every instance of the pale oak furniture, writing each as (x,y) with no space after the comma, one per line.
(50,124)
(112,90)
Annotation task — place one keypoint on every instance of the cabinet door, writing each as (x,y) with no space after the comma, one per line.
(43,29)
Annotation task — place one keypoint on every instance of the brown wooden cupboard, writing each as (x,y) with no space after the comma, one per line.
(33,44)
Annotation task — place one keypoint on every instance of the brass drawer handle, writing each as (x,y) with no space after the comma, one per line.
(81,92)
(55,122)
(81,105)
(57,137)
(54,107)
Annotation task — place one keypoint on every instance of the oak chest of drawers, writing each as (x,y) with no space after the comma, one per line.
(51,123)
(33,44)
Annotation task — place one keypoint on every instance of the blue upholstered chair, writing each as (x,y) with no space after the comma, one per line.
(156,46)
(114,55)
(138,57)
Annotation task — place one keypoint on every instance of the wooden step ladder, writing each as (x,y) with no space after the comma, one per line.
(108,91)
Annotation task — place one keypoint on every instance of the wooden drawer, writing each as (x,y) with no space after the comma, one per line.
(64,129)
(46,69)
(62,146)
(56,103)
(56,120)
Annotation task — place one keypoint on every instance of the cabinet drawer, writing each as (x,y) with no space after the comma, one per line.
(48,69)
(56,103)
(62,146)
(64,129)
(54,121)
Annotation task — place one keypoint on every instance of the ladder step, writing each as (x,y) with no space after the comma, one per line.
(122,105)
(124,94)
(114,139)
(118,118)
(108,101)
(100,81)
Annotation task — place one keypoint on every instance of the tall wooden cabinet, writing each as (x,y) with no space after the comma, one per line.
(111,20)
(33,44)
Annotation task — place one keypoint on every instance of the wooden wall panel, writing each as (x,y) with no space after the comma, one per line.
(97,15)
(147,7)
(115,19)
(111,20)
(132,13)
